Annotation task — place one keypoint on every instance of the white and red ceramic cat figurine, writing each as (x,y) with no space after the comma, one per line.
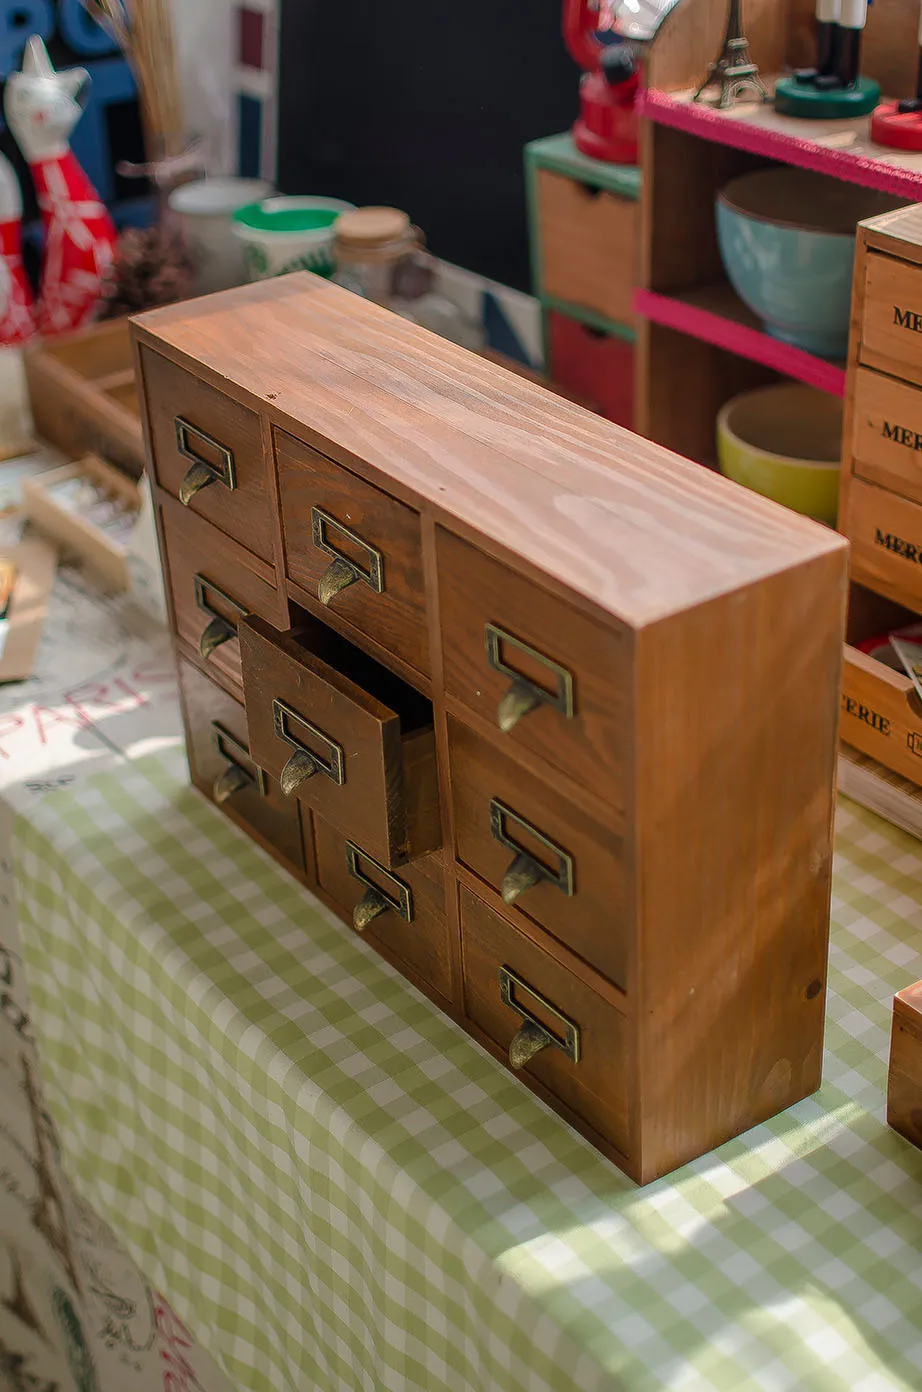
(42,107)
(17,310)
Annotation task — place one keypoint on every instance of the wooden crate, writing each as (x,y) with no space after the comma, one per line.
(83,396)
(78,537)
(904,1084)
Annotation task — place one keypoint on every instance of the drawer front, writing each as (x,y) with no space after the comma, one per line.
(208,453)
(886,536)
(216,734)
(354,548)
(522,997)
(212,586)
(344,736)
(547,859)
(891,329)
(881,714)
(550,678)
(403,910)
(596,366)
(887,434)
(589,245)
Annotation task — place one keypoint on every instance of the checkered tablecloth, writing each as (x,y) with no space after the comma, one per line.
(340,1191)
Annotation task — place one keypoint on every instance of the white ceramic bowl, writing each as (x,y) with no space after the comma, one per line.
(280,235)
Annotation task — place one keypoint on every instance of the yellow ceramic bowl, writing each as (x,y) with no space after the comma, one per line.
(784,442)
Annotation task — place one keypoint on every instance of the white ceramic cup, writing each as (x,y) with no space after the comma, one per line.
(203,210)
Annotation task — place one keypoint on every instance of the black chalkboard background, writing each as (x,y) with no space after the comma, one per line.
(426,106)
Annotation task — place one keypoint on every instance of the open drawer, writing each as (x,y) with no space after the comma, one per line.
(881,710)
(344,735)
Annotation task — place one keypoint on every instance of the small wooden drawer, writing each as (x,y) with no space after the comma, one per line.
(891,327)
(593,364)
(402,911)
(548,860)
(547,675)
(353,548)
(515,992)
(344,735)
(213,583)
(589,245)
(222,768)
(207,451)
(881,713)
(904,1084)
(886,440)
(886,536)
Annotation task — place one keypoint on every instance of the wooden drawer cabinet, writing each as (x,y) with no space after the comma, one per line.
(344,735)
(213,583)
(532,671)
(546,1020)
(540,852)
(207,451)
(587,235)
(223,769)
(402,911)
(352,548)
(547,677)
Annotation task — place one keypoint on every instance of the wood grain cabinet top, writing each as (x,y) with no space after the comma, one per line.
(557,708)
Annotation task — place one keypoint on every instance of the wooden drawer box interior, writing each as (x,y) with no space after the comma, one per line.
(353,551)
(544,673)
(514,990)
(345,735)
(589,245)
(213,583)
(221,766)
(207,451)
(403,911)
(881,711)
(547,859)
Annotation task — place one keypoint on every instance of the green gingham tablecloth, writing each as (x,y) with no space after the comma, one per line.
(340,1191)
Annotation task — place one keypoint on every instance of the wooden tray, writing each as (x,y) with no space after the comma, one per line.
(75,534)
(82,392)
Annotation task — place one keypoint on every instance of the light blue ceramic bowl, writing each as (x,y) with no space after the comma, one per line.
(787,240)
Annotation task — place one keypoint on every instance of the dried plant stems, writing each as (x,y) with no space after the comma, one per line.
(143,30)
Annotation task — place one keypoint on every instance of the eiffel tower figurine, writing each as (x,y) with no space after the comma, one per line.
(734,70)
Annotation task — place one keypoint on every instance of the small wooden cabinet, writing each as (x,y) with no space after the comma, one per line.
(546,713)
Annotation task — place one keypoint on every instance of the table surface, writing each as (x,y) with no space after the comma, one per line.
(350,1194)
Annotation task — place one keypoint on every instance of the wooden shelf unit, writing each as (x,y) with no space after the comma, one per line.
(697,345)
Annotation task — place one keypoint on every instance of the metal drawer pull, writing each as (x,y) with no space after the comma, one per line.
(525,695)
(220,629)
(236,776)
(344,572)
(526,870)
(533,1036)
(304,763)
(202,472)
(376,901)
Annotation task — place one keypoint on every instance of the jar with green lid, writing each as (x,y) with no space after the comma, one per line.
(381,256)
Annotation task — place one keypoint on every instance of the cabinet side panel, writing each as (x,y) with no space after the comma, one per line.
(737,711)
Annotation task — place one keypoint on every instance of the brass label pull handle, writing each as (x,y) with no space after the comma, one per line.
(528,1040)
(217,632)
(525,694)
(386,893)
(233,780)
(556,1031)
(241,772)
(202,471)
(526,870)
(344,571)
(221,628)
(305,762)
